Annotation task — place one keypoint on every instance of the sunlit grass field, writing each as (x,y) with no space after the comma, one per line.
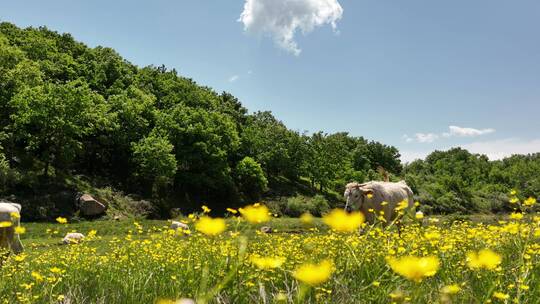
(433,260)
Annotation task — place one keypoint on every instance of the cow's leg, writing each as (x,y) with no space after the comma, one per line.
(4,245)
(15,241)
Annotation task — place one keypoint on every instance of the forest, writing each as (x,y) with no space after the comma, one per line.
(80,119)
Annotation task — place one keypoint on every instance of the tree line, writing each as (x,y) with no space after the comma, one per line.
(70,111)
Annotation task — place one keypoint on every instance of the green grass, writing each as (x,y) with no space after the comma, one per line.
(128,264)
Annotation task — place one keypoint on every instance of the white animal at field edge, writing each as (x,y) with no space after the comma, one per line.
(371,195)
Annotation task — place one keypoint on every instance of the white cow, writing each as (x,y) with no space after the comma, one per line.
(378,196)
(10,214)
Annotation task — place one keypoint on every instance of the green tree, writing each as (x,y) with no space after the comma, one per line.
(155,161)
(50,121)
(250,179)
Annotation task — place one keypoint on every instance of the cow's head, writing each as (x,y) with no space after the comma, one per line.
(355,195)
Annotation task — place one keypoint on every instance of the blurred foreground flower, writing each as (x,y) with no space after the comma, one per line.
(5,224)
(415,268)
(342,221)
(267,262)
(20,230)
(312,274)
(306,218)
(485,258)
(61,220)
(255,214)
(451,289)
(210,226)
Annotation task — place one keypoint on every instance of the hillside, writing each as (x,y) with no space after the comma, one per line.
(80,119)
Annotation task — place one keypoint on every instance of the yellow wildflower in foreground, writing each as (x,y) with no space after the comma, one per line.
(268,262)
(516,216)
(415,268)
(402,205)
(312,274)
(255,214)
(485,258)
(15,215)
(306,218)
(20,230)
(451,289)
(342,221)
(419,215)
(61,220)
(530,201)
(5,224)
(231,210)
(500,295)
(206,209)
(210,226)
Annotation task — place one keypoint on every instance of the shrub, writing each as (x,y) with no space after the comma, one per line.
(250,179)
(297,205)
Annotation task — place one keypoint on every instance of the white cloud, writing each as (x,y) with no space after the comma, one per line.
(233,78)
(501,148)
(281,19)
(454,131)
(493,149)
(426,137)
(468,132)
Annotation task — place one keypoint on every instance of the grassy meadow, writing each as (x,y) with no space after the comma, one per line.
(307,260)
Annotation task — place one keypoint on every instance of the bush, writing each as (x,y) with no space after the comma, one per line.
(297,205)
(250,179)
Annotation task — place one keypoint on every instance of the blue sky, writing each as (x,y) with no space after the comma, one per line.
(420,75)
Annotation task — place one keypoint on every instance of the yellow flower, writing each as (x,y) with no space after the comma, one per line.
(15,215)
(376,283)
(38,277)
(514,200)
(61,220)
(516,215)
(19,258)
(530,201)
(416,204)
(20,230)
(339,220)
(268,262)
(206,209)
(369,195)
(233,211)
(402,205)
(55,270)
(306,218)
(5,224)
(313,274)
(415,268)
(500,295)
(256,213)
(419,215)
(210,226)
(92,233)
(451,289)
(513,192)
(485,258)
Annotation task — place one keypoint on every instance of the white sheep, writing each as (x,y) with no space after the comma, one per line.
(179,227)
(73,238)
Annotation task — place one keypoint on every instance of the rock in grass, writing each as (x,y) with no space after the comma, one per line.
(89,206)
